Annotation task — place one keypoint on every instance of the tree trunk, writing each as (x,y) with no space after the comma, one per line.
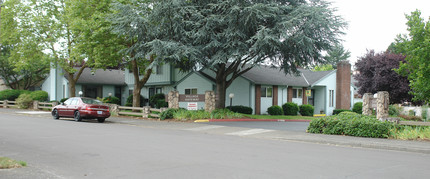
(72,88)
(221,87)
(136,94)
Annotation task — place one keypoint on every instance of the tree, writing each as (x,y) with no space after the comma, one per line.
(336,54)
(130,23)
(416,47)
(326,67)
(23,62)
(231,37)
(376,73)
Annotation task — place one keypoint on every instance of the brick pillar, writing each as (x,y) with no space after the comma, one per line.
(275,96)
(343,85)
(304,97)
(257,99)
(290,94)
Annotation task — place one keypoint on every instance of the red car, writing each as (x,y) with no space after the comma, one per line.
(81,108)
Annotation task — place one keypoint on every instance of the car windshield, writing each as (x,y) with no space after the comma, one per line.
(91,101)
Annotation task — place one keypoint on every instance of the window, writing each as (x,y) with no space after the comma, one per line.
(297,93)
(158,70)
(191,91)
(266,92)
(331,98)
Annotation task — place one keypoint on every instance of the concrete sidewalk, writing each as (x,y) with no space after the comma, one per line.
(346,141)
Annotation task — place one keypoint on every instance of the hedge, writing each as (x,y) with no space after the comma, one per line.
(275,110)
(351,124)
(358,108)
(337,111)
(306,110)
(240,109)
(11,94)
(129,101)
(290,108)
(112,100)
(154,100)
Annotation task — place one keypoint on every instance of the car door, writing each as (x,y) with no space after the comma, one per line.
(72,107)
(62,109)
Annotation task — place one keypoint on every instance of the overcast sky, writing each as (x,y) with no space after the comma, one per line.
(374,24)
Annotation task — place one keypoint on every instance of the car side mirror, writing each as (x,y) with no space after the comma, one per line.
(63,104)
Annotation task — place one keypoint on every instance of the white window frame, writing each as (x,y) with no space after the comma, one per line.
(191,90)
(266,91)
(331,98)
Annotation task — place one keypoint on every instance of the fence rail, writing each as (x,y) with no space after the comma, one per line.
(7,104)
(145,111)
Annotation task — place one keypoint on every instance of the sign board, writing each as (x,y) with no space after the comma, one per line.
(191,98)
(308,93)
(373,102)
(192,106)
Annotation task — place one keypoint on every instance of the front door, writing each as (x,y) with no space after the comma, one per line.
(92,91)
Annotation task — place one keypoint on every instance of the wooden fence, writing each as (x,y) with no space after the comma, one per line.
(43,105)
(8,104)
(145,111)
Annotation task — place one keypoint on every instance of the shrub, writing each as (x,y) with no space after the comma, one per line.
(240,109)
(351,124)
(306,110)
(393,110)
(129,101)
(154,99)
(161,104)
(64,99)
(358,108)
(275,110)
(11,95)
(338,111)
(24,101)
(290,108)
(112,100)
(168,114)
(39,95)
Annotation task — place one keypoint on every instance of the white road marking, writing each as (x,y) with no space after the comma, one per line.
(205,128)
(250,132)
(34,112)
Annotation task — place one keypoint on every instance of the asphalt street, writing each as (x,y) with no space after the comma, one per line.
(152,149)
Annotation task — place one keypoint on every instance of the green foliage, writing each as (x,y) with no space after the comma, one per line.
(351,124)
(336,54)
(416,47)
(393,110)
(240,109)
(411,133)
(424,110)
(275,110)
(129,101)
(161,104)
(64,99)
(358,108)
(183,114)
(11,94)
(24,101)
(39,96)
(248,34)
(154,100)
(338,111)
(326,67)
(168,114)
(111,100)
(290,108)
(306,110)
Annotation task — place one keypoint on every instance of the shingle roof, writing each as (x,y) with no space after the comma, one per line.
(100,76)
(314,76)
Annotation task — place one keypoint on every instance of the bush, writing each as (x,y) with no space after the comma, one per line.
(153,100)
(39,95)
(290,108)
(112,100)
(358,108)
(240,109)
(393,110)
(338,111)
(64,99)
(24,101)
(351,124)
(11,95)
(306,110)
(168,114)
(275,110)
(161,104)
(129,101)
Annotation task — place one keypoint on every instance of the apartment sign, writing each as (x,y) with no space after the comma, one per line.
(192,98)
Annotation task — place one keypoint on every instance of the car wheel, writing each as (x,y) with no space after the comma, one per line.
(101,120)
(77,116)
(55,114)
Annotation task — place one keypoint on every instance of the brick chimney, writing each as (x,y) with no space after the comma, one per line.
(343,85)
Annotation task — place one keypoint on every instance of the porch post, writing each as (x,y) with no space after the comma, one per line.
(275,95)
(304,97)
(290,94)
(257,99)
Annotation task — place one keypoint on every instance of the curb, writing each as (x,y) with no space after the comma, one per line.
(251,120)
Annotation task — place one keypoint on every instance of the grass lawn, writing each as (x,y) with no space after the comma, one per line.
(6,163)
(279,117)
